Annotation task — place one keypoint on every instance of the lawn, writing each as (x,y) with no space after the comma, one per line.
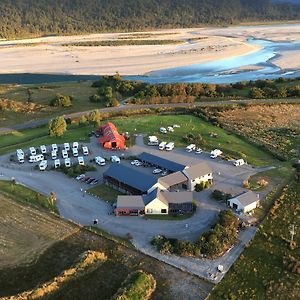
(105,192)
(229,143)
(268,268)
(23,194)
(38,136)
(42,94)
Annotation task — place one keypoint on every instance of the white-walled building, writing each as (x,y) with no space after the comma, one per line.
(244,202)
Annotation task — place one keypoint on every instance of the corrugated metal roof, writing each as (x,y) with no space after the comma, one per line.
(131,177)
(110,133)
(161,162)
(177,197)
(172,179)
(130,202)
(198,170)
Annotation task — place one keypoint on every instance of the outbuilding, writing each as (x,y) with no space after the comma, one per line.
(111,139)
(244,202)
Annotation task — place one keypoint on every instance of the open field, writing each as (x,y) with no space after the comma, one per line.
(269,267)
(41,95)
(105,192)
(40,246)
(277,127)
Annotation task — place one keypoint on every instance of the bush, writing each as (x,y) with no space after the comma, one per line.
(61,101)
(95,98)
(77,170)
(220,196)
(57,126)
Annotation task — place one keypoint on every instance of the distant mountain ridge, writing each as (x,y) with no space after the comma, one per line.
(19,18)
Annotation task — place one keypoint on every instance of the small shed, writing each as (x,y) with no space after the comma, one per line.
(111,139)
(244,202)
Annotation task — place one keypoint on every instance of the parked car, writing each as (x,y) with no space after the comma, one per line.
(153,140)
(162,145)
(79,177)
(170,129)
(239,162)
(85,178)
(95,181)
(57,163)
(157,171)
(199,151)
(138,164)
(134,162)
(85,150)
(115,159)
(100,161)
(170,146)
(43,165)
(164,173)
(89,180)
(163,130)
(215,153)
(176,126)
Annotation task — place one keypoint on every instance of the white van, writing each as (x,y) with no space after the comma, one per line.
(43,165)
(100,161)
(170,129)
(170,146)
(68,162)
(75,145)
(163,130)
(215,153)
(75,152)
(57,163)
(64,153)
(115,159)
(54,147)
(32,151)
(67,146)
(162,145)
(190,148)
(239,162)
(43,149)
(54,154)
(36,158)
(85,150)
(20,152)
(20,156)
(152,140)
(81,160)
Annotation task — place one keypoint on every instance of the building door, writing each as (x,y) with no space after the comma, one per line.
(235,206)
(114,145)
(163,211)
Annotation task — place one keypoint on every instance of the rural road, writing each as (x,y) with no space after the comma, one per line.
(121,108)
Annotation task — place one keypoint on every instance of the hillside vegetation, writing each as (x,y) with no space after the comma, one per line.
(29,17)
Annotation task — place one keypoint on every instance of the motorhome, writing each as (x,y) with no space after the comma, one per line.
(75,145)
(54,147)
(215,153)
(190,148)
(85,150)
(43,149)
(153,140)
(75,152)
(239,162)
(100,161)
(115,159)
(170,146)
(54,154)
(32,151)
(43,165)
(81,160)
(20,155)
(162,145)
(67,146)
(64,153)
(163,130)
(36,158)
(57,163)
(68,162)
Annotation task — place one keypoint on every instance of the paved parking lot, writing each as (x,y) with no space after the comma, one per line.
(76,206)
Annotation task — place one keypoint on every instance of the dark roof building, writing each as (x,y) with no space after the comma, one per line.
(128,180)
(161,162)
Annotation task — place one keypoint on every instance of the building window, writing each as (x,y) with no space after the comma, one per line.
(163,211)
(149,211)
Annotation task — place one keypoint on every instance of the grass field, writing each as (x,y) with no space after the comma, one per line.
(42,94)
(36,246)
(229,143)
(23,194)
(105,192)
(269,267)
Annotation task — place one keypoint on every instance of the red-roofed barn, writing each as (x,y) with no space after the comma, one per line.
(111,139)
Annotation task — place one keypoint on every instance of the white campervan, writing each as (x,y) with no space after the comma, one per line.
(239,162)
(54,147)
(67,146)
(43,165)
(152,140)
(75,145)
(170,146)
(54,154)
(20,156)
(68,162)
(100,161)
(64,153)
(162,145)
(85,150)
(215,153)
(57,163)
(115,159)
(190,148)
(32,151)
(81,160)
(75,152)
(43,149)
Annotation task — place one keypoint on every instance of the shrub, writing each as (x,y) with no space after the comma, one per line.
(57,127)
(61,101)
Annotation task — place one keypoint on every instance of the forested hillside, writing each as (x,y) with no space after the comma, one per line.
(36,17)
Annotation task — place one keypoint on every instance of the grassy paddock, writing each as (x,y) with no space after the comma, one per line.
(23,194)
(105,192)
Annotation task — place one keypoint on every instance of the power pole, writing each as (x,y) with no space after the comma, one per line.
(292,232)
